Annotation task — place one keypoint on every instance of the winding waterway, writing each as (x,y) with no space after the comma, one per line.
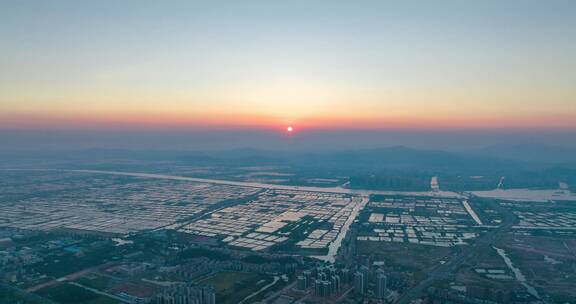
(332,247)
(335,245)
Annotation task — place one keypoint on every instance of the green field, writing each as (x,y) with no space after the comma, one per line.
(95,281)
(8,295)
(232,287)
(415,258)
(70,294)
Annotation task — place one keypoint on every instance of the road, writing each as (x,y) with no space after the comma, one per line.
(250,184)
(96,291)
(261,290)
(69,277)
(211,209)
(335,245)
(445,270)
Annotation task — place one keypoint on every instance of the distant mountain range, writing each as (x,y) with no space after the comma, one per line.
(530,152)
(396,167)
(393,155)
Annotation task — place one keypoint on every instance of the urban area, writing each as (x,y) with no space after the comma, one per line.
(103,237)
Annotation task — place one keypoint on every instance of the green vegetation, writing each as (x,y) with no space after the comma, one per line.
(415,182)
(468,183)
(95,281)
(414,257)
(71,294)
(60,265)
(9,295)
(256,259)
(232,287)
(202,252)
(299,231)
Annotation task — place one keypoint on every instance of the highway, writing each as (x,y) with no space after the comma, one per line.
(250,184)
(443,271)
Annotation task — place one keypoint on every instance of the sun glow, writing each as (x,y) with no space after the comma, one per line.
(289,129)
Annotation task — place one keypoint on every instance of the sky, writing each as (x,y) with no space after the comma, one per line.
(69,67)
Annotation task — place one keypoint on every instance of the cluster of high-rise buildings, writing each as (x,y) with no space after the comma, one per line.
(186,293)
(328,281)
(363,278)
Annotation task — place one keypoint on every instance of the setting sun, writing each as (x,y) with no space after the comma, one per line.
(434,158)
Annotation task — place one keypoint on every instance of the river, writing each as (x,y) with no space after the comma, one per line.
(251,184)
(335,245)
(517,273)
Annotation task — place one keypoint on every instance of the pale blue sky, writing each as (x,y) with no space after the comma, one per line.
(291,60)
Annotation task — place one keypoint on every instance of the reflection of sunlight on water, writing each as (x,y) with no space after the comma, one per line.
(472,212)
(276,279)
(551,260)
(517,273)
(120,242)
(529,195)
(335,245)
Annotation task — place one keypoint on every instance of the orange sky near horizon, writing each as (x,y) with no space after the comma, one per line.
(221,121)
(382,65)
